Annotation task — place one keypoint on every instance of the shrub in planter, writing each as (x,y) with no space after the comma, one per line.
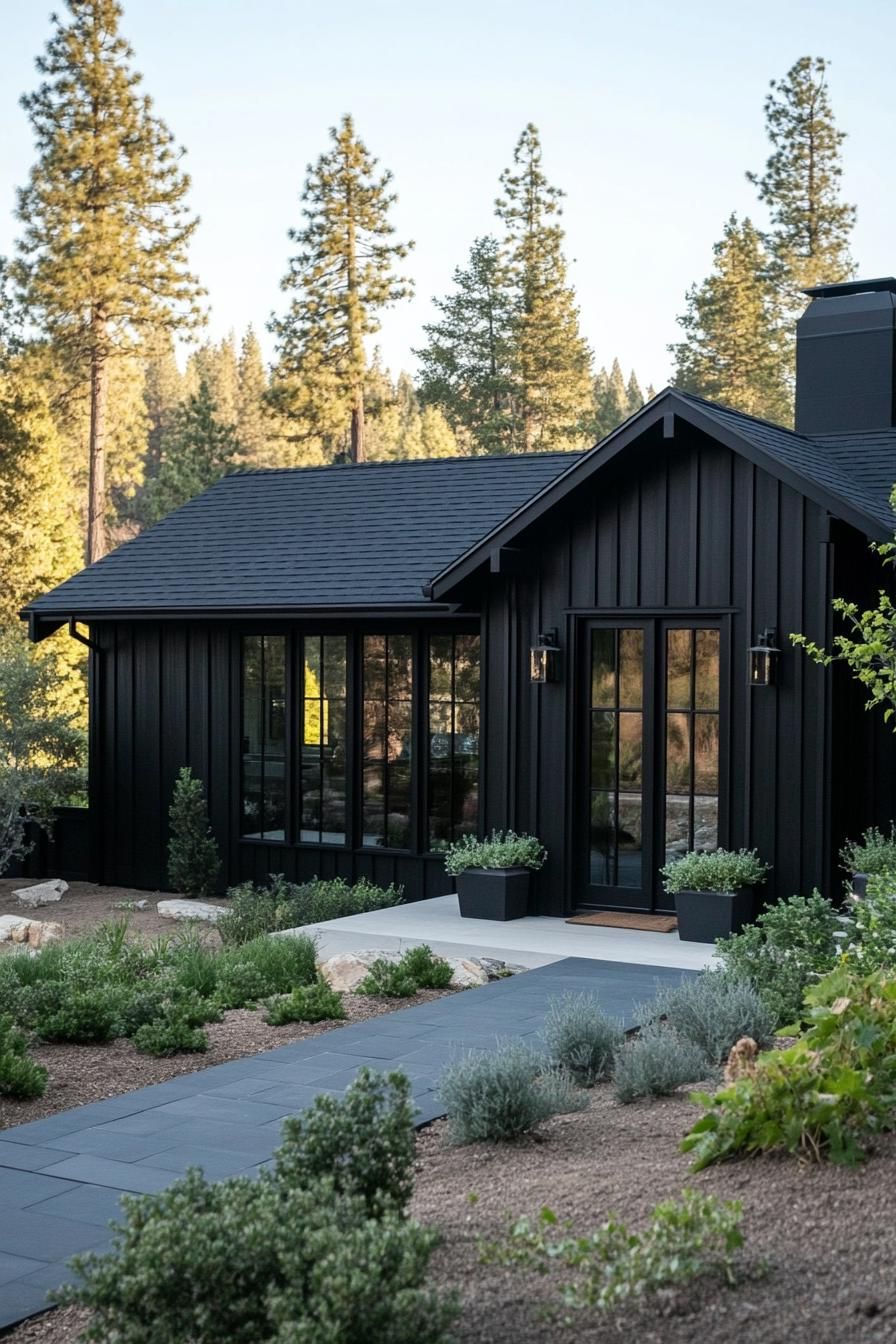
(713,891)
(874,854)
(504,1094)
(493,874)
(581,1038)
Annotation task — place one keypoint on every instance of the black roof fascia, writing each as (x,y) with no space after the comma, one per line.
(617,442)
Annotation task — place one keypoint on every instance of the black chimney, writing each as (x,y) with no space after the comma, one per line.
(846,358)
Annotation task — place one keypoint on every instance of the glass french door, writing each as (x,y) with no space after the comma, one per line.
(652,757)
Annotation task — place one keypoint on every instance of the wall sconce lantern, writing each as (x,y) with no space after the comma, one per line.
(544,658)
(764,660)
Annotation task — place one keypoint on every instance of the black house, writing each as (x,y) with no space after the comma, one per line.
(345,655)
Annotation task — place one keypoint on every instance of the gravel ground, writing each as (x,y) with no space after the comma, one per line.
(86,904)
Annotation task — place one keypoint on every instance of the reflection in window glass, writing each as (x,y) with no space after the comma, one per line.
(387,690)
(453,793)
(322,739)
(263,735)
(617,745)
(692,741)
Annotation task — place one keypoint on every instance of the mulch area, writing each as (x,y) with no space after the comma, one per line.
(86,904)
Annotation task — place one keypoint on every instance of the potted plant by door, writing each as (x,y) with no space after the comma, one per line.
(713,891)
(492,875)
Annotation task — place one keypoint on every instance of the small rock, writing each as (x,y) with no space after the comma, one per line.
(466,973)
(45,893)
(130,905)
(185,909)
(9,924)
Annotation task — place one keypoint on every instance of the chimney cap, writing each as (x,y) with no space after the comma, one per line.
(883,285)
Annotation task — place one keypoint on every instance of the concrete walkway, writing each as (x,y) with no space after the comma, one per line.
(61,1178)
(532,941)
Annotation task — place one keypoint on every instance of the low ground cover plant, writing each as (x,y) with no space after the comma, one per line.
(581,1038)
(103,986)
(499,849)
(714,870)
(692,1237)
(714,1011)
(254,910)
(306,1003)
(417,969)
(20,1076)
(321,1249)
(827,1095)
(792,944)
(656,1062)
(504,1094)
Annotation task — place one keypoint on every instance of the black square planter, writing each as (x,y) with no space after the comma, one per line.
(704,916)
(493,893)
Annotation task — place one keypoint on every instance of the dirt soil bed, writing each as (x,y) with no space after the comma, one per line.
(825,1234)
(86,904)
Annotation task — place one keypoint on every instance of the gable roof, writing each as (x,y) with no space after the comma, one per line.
(304,539)
(850,475)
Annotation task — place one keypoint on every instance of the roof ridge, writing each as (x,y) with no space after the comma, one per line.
(407,462)
(742,415)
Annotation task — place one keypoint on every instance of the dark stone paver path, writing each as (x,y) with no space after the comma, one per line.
(61,1178)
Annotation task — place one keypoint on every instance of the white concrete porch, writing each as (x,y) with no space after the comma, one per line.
(533,941)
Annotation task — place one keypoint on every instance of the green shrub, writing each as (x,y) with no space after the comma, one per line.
(417,969)
(363,1141)
(265,966)
(656,1062)
(581,1038)
(716,870)
(504,1094)
(500,849)
(84,1015)
(194,863)
(875,853)
(792,943)
(868,939)
(306,1003)
(240,985)
(425,969)
(260,1262)
(827,1095)
(253,910)
(689,1238)
(193,965)
(170,1034)
(20,1076)
(714,1010)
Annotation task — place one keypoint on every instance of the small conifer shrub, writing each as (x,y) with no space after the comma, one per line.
(193,859)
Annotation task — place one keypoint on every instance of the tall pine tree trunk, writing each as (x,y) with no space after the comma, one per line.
(96,452)
(358,447)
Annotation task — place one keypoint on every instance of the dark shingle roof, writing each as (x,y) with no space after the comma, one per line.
(357,536)
(859,468)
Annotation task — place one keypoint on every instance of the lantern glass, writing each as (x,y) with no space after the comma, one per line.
(764,660)
(538,663)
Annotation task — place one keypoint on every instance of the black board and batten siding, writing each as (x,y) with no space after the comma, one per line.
(688,529)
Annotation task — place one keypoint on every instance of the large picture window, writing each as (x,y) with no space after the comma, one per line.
(453,792)
(322,739)
(387,748)
(263,814)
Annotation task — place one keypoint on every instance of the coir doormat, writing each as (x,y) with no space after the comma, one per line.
(622,919)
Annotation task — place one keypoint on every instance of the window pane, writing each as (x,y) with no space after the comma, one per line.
(603,750)
(706,823)
(678,753)
(334,666)
(630,751)
(628,841)
(603,839)
(263,732)
(706,753)
(399,662)
(440,666)
(631,668)
(375,667)
(678,669)
(374,805)
(374,730)
(706,672)
(333,784)
(453,739)
(678,821)
(252,716)
(603,669)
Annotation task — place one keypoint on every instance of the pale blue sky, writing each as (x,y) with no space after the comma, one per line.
(649,112)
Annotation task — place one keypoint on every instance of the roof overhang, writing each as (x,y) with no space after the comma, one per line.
(665,408)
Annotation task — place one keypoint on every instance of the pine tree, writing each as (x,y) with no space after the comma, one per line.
(103,256)
(732,325)
(634,396)
(339,281)
(466,367)
(163,393)
(253,417)
(198,451)
(614,399)
(551,358)
(194,862)
(215,363)
(811,226)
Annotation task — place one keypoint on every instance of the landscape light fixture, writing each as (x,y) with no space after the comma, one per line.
(764,659)
(544,658)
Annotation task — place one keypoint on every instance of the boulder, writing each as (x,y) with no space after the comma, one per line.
(45,893)
(345,971)
(43,932)
(186,909)
(33,933)
(466,972)
(10,924)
